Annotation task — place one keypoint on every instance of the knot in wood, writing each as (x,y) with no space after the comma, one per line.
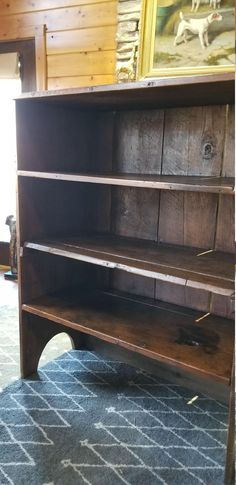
(208,150)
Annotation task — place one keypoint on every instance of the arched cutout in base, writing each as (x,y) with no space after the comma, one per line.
(56,347)
(36,333)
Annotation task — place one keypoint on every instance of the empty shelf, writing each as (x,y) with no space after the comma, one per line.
(224,185)
(196,268)
(161,331)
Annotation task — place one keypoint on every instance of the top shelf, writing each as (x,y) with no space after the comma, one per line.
(162,93)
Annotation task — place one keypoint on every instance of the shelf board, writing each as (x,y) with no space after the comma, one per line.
(196,268)
(161,331)
(223,185)
(164,92)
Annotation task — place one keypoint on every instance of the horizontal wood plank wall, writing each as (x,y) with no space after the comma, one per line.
(80,37)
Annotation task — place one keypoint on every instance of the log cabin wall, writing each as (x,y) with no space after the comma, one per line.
(77,46)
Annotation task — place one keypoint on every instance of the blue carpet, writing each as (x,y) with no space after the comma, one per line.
(89,421)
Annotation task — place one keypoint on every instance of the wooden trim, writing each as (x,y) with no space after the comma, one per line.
(172,92)
(41,58)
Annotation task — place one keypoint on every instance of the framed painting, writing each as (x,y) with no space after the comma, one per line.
(186,37)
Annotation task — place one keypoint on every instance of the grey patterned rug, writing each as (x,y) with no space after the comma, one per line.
(89,421)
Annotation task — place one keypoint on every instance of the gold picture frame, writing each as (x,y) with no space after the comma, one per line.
(158,55)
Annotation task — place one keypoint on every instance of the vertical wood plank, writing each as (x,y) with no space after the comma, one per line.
(186,219)
(41,58)
(225,225)
(222,306)
(199,300)
(133,284)
(135,212)
(229,151)
(193,145)
(194,141)
(138,144)
(225,230)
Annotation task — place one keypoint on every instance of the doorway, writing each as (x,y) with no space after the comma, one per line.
(10,88)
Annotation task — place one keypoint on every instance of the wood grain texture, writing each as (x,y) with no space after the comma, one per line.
(187,133)
(132,284)
(192,298)
(41,58)
(27,6)
(80,81)
(203,90)
(138,142)
(194,143)
(84,40)
(135,212)
(72,27)
(225,225)
(186,218)
(163,182)
(229,149)
(82,63)
(82,17)
(159,331)
(177,264)
(222,306)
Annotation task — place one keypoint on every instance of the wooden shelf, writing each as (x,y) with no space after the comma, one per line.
(223,185)
(196,268)
(165,92)
(164,332)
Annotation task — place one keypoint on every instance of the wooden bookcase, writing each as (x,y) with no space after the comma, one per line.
(126,214)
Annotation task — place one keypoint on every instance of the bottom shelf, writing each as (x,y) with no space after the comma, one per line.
(161,331)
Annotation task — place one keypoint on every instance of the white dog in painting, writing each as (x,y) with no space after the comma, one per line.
(196,26)
(213,4)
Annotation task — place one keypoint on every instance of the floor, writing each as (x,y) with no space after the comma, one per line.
(9,335)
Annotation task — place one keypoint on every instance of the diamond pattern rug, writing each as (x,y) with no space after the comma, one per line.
(89,421)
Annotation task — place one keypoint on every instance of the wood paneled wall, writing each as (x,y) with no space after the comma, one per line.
(79,41)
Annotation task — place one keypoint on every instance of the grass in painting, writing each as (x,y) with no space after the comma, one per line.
(166,57)
(220,54)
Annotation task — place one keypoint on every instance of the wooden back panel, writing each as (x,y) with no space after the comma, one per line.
(56,208)
(58,138)
(184,141)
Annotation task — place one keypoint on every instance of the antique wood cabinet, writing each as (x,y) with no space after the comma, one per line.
(126,233)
